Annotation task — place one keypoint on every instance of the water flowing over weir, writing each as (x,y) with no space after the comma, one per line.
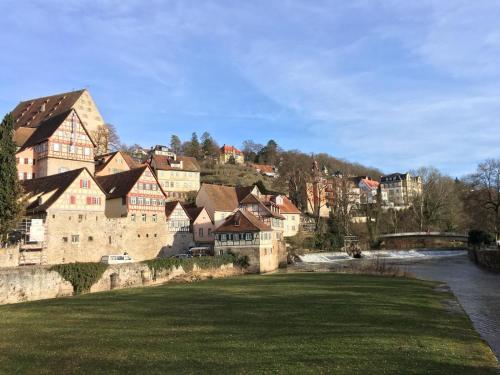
(477,289)
(385,254)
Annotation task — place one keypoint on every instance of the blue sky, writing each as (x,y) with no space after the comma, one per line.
(389,83)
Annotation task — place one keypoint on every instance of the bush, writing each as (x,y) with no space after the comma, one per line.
(479,237)
(161,264)
(81,275)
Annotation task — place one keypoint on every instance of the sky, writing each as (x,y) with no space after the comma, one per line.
(387,83)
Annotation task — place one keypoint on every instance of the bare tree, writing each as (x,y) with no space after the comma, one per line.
(485,188)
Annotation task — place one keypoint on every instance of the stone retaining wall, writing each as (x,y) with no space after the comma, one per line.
(488,258)
(31,283)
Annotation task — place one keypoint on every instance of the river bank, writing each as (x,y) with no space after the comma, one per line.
(476,288)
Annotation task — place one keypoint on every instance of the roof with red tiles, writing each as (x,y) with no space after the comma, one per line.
(228,149)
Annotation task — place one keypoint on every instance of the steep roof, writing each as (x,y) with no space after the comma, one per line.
(103,160)
(55,184)
(225,198)
(164,162)
(21,135)
(48,127)
(193,212)
(30,113)
(288,207)
(119,184)
(226,149)
(370,183)
(242,221)
(170,207)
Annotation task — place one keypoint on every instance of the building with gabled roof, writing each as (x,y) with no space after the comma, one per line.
(58,144)
(33,112)
(179,228)
(400,189)
(220,201)
(230,154)
(178,175)
(135,194)
(243,234)
(202,225)
(71,206)
(114,162)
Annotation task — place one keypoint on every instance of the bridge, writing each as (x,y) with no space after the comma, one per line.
(412,240)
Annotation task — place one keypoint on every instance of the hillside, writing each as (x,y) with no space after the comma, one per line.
(238,175)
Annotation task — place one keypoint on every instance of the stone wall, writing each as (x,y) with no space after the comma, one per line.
(33,283)
(9,256)
(488,258)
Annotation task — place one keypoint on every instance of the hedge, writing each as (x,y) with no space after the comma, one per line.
(81,275)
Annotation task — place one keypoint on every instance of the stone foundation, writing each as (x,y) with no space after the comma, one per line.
(21,284)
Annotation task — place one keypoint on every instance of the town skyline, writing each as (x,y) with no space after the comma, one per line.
(396,92)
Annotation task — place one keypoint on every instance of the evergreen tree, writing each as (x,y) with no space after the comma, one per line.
(208,146)
(175,144)
(10,189)
(194,147)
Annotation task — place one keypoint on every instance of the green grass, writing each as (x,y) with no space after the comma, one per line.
(285,323)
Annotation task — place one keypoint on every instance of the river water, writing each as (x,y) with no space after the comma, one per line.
(477,290)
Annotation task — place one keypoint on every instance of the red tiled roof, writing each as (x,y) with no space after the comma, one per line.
(264,168)
(242,221)
(29,113)
(287,207)
(370,183)
(227,149)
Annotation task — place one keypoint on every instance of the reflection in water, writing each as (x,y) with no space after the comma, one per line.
(477,290)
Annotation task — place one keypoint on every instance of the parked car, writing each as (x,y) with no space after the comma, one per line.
(116,259)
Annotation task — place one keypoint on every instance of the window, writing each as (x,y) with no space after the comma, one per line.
(75,238)
(90,239)
(155,218)
(85,184)
(236,237)
(223,237)
(144,217)
(80,218)
(71,149)
(86,151)
(133,200)
(200,232)
(26,161)
(96,200)
(147,202)
(140,201)
(56,147)
(248,236)
(209,231)
(132,217)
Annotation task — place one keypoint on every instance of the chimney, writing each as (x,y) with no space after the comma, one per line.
(42,107)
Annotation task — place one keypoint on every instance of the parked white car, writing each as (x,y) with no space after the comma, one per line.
(116,259)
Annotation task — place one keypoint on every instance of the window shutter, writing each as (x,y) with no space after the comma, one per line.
(88,186)
(81,184)
(89,200)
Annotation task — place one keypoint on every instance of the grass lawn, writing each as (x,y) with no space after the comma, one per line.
(285,323)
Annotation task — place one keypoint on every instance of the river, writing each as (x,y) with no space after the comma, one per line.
(477,290)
